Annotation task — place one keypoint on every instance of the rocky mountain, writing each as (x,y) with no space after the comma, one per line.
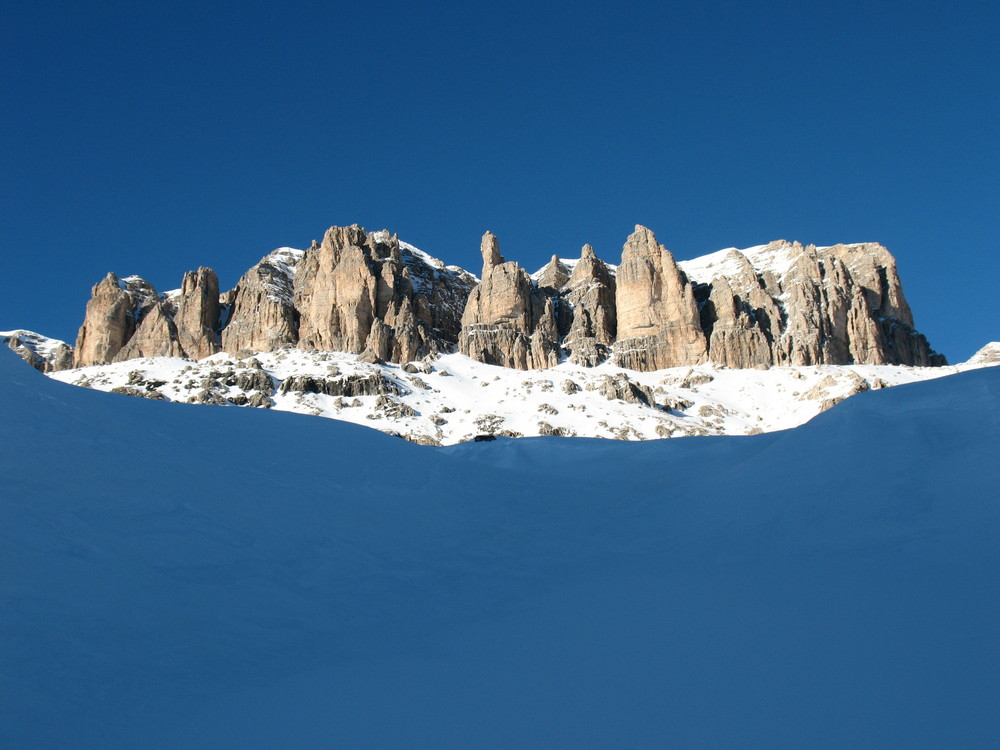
(41,352)
(360,292)
(368,293)
(366,328)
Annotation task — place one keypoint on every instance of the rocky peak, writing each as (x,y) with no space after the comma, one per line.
(41,352)
(490,250)
(197,316)
(988,355)
(261,310)
(554,275)
(369,293)
(355,293)
(658,320)
(589,298)
(113,314)
(507,321)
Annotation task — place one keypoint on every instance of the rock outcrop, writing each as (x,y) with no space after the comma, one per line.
(197,316)
(658,320)
(261,314)
(41,352)
(508,321)
(155,335)
(588,297)
(370,294)
(114,312)
(360,292)
(789,304)
(988,355)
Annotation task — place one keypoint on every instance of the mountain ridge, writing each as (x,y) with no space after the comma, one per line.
(371,294)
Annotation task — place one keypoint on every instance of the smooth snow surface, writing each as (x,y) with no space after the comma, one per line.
(198,577)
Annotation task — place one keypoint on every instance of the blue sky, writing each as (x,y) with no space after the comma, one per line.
(153,138)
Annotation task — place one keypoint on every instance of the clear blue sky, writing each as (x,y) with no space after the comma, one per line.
(151,138)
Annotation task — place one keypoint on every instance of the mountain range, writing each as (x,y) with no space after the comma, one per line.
(364,327)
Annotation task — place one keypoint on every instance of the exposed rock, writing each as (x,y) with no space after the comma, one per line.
(197,317)
(370,294)
(554,275)
(832,305)
(570,387)
(262,315)
(113,314)
(658,321)
(547,430)
(155,336)
(131,390)
(620,387)
(356,292)
(739,325)
(350,385)
(507,321)
(41,352)
(589,295)
(988,355)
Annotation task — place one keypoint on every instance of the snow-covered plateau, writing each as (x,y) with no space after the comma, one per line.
(232,578)
(453,398)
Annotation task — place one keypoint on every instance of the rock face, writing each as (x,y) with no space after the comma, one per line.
(41,352)
(370,294)
(113,314)
(197,317)
(588,298)
(261,314)
(789,304)
(658,320)
(155,335)
(359,292)
(508,321)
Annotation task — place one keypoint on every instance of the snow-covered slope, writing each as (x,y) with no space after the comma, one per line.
(988,355)
(454,398)
(180,577)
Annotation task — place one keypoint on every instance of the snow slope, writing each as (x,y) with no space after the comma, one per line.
(180,577)
(454,398)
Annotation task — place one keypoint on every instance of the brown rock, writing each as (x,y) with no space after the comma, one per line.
(112,316)
(507,321)
(589,296)
(156,335)
(658,321)
(262,315)
(358,291)
(197,316)
(41,352)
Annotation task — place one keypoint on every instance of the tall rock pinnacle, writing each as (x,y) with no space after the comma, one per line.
(658,321)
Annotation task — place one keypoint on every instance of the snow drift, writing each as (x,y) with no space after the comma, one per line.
(204,577)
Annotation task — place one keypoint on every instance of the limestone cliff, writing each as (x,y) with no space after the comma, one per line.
(658,320)
(508,321)
(261,314)
(113,314)
(367,292)
(789,304)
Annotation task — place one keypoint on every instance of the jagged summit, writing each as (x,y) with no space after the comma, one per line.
(368,293)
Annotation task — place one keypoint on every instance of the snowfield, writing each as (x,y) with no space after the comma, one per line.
(453,398)
(211,578)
